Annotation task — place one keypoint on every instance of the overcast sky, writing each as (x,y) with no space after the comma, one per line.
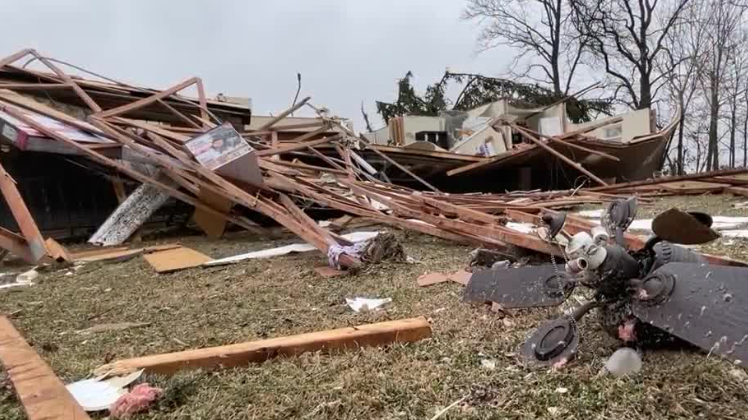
(346,51)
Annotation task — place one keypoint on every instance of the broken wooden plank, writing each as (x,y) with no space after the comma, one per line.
(40,391)
(737,191)
(176,259)
(431,279)
(329,272)
(23,217)
(57,252)
(121,255)
(575,165)
(16,244)
(401,331)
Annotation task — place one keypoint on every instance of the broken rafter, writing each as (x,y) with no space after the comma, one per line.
(575,165)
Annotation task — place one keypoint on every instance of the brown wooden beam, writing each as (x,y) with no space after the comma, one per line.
(234,355)
(40,391)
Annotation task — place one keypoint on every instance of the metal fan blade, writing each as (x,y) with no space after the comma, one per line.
(524,287)
(553,342)
(705,305)
(684,228)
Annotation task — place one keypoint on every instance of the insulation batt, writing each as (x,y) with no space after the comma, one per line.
(139,399)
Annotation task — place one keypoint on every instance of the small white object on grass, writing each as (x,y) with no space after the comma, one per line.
(624,362)
(98,395)
(488,364)
(360,304)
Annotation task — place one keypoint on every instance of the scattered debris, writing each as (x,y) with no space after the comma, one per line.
(431,279)
(488,364)
(329,272)
(138,400)
(113,327)
(624,362)
(360,304)
(98,394)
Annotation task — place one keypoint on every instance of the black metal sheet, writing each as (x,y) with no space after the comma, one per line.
(708,307)
(682,228)
(523,287)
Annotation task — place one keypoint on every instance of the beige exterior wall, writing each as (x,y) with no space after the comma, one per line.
(381,136)
(472,145)
(635,123)
(413,124)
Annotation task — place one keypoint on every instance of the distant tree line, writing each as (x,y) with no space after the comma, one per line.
(667,55)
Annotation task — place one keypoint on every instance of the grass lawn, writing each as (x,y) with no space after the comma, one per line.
(280,296)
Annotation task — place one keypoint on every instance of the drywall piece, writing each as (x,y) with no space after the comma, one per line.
(382,333)
(41,393)
(431,279)
(211,224)
(283,250)
(176,259)
(97,395)
(132,213)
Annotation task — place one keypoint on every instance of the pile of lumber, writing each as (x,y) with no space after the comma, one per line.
(730,181)
(345,183)
(260,174)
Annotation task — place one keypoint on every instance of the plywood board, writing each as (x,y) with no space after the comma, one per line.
(431,279)
(211,224)
(40,391)
(401,331)
(119,253)
(176,259)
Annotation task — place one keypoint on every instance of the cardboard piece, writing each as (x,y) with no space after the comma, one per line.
(225,152)
(212,225)
(430,279)
(176,259)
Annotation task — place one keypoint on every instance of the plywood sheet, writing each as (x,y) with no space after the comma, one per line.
(176,259)
(211,224)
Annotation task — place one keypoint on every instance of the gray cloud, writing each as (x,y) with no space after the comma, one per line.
(347,51)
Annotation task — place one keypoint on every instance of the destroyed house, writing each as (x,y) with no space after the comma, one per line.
(504,146)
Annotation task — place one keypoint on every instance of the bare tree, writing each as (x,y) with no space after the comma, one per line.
(723,20)
(680,63)
(627,36)
(540,31)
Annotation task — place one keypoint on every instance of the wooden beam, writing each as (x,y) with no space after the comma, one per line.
(146,101)
(401,331)
(68,80)
(23,217)
(34,86)
(284,114)
(40,391)
(575,165)
(294,147)
(17,245)
(15,57)
(663,180)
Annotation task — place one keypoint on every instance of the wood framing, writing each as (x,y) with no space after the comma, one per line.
(383,333)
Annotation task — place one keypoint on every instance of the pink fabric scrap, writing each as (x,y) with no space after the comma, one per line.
(626,331)
(135,401)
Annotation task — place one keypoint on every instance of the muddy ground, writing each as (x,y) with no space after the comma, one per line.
(281,296)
